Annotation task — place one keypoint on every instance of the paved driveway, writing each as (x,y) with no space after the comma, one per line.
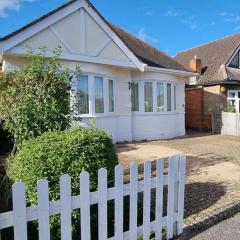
(213,172)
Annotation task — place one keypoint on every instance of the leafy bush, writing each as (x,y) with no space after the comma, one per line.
(55,153)
(35,98)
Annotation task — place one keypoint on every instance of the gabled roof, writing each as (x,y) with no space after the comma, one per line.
(146,53)
(143,51)
(214,57)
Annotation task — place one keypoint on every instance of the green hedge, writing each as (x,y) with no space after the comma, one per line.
(55,153)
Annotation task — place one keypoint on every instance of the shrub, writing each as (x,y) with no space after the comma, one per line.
(55,153)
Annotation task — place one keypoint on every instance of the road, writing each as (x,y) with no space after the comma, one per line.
(226,230)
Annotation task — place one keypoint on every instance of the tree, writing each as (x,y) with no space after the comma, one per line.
(35,98)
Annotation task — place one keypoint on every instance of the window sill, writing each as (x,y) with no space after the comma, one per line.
(154,113)
(97,115)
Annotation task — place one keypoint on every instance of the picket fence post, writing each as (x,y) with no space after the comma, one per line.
(85,206)
(19,211)
(171,196)
(146,200)
(181,191)
(43,210)
(133,200)
(159,199)
(102,204)
(66,207)
(118,202)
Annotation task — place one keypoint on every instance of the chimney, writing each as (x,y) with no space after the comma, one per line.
(195,64)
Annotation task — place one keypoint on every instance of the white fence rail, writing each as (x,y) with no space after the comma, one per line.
(173,222)
(230,124)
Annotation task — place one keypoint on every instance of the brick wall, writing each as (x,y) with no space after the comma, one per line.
(195,116)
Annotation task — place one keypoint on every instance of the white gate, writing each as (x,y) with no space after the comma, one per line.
(173,222)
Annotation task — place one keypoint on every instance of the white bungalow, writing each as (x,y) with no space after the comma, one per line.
(134,91)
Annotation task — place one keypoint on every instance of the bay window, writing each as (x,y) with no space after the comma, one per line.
(83,94)
(148,96)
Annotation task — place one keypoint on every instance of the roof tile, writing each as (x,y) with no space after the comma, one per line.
(214,57)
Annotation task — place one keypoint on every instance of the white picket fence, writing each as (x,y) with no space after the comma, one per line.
(173,222)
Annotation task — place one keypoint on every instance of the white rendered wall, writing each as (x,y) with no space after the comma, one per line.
(123,125)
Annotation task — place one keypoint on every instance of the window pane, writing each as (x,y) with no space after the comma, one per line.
(135,97)
(82,94)
(111,96)
(160,97)
(169,97)
(148,97)
(232,105)
(175,98)
(231,94)
(235,62)
(99,100)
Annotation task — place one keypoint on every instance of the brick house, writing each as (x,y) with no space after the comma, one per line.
(218,64)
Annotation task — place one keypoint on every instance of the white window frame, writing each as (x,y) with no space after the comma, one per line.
(142,99)
(236,98)
(233,56)
(91,93)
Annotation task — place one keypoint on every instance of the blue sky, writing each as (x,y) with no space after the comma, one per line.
(171,25)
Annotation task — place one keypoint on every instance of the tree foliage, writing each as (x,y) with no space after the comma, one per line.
(35,98)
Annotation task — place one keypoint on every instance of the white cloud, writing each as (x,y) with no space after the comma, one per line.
(233,19)
(229,17)
(236,29)
(11,5)
(148,13)
(191,22)
(171,13)
(145,37)
(225,14)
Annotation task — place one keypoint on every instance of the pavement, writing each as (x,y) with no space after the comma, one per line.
(225,230)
